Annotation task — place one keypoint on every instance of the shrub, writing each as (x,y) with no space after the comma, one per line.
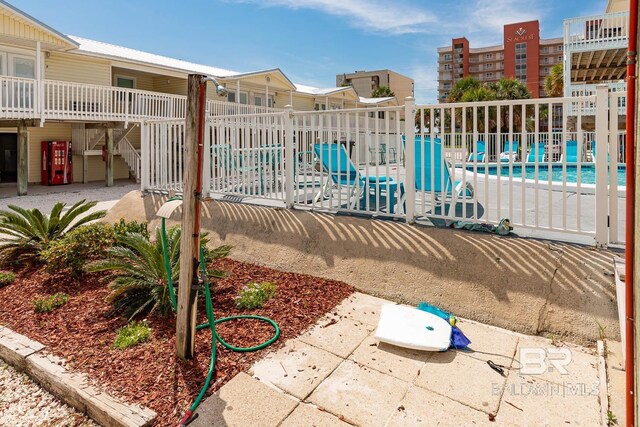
(6,278)
(48,304)
(123,227)
(255,295)
(78,247)
(25,233)
(139,281)
(132,334)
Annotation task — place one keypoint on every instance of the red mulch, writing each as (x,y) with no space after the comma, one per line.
(149,373)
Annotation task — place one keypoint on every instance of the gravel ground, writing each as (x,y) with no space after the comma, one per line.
(24,403)
(43,197)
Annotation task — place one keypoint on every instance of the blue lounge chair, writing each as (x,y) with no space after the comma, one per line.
(510,151)
(343,174)
(570,154)
(480,154)
(441,181)
(537,153)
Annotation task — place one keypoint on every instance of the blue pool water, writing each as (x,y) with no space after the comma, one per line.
(587,172)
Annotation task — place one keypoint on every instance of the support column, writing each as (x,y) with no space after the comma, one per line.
(85,168)
(23,169)
(108,142)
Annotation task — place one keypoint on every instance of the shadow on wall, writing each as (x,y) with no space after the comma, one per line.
(532,286)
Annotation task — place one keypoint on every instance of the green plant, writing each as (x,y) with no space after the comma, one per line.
(255,295)
(612,420)
(138,281)
(6,278)
(554,82)
(76,248)
(51,302)
(132,334)
(25,233)
(123,227)
(382,92)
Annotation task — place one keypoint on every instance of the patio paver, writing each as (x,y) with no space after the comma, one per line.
(310,416)
(336,336)
(296,368)
(364,383)
(244,401)
(363,396)
(463,378)
(397,362)
(421,407)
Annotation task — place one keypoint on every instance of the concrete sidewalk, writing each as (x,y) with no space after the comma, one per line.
(337,374)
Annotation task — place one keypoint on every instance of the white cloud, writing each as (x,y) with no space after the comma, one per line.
(425,82)
(393,17)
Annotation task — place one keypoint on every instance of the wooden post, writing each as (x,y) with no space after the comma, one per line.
(186,314)
(23,170)
(108,142)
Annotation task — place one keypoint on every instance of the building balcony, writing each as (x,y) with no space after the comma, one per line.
(31,99)
(580,90)
(597,32)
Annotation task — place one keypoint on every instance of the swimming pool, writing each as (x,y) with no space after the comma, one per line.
(587,172)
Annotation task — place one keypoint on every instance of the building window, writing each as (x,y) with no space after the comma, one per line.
(447,85)
(488,56)
(320,107)
(560,58)
(126,82)
(244,98)
(545,50)
(488,75)
(447,67)
(546,70)
(231,96)
(560,48)
(521,62)
(545,60)
(447,57)
(489,65)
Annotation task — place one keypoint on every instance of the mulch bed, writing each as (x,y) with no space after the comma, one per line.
(150,373)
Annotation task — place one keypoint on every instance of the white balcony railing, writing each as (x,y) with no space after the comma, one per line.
(78,101)
(18,97)
(596,32)
(579,90)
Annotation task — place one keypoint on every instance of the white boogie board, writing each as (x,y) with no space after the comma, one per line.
(412,328)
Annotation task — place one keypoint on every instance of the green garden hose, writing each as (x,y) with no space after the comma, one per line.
(211,321)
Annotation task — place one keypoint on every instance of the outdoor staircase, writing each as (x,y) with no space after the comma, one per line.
(87,142)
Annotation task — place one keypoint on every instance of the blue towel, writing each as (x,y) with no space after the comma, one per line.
(458,339)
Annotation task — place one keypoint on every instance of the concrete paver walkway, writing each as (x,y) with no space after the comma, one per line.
(337,374)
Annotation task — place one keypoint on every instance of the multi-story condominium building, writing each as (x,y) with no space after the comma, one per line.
(365,82)
(56,87)
(523,55)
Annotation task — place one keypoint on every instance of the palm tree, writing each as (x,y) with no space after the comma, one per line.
(554,82)
(139,280)
(382,92)
(25,233)
(510,89)
(461,87)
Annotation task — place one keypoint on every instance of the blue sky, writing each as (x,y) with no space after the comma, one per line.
(310,40)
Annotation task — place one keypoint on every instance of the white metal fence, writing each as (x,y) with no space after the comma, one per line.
(445,163)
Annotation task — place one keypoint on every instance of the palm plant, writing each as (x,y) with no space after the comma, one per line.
(554,82)
(25,233)
(382,92)
(139,280)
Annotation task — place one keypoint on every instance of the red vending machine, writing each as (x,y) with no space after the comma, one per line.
(57,168)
